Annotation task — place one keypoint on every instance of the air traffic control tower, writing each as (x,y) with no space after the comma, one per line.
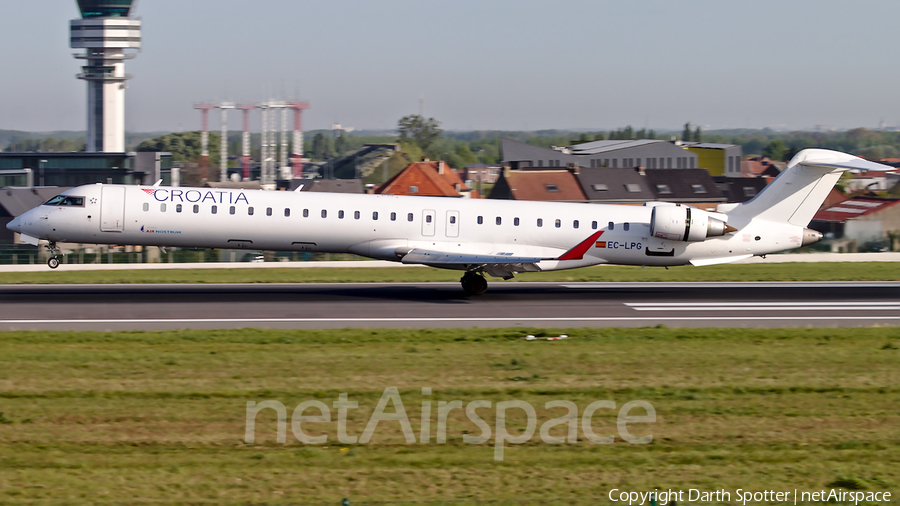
(105,31)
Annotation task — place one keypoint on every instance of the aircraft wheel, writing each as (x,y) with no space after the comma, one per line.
(53,263)
(473,284)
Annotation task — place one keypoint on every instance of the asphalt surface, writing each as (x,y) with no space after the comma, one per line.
(422,305)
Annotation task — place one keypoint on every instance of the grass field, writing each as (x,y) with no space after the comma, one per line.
(823,271)
(159,417)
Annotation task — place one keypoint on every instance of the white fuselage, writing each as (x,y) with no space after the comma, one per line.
(384,226)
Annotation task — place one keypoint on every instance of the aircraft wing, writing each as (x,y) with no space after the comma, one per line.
(428,257)
(419,256)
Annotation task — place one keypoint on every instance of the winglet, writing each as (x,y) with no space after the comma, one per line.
(577,253)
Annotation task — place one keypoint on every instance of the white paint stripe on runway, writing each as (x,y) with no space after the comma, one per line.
(764,306)
(439,320)
(768,304)
(771,308)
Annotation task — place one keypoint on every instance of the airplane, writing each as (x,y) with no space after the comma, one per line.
(495,237)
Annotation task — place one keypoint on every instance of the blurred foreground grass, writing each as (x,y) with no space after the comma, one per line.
(824,271)
(145,417)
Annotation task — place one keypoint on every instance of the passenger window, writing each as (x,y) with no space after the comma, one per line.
(409,217)
(540,222)
(516,221)
(196,208)
(287,212)
(231,210)
(268,211)
(375,215)
(393,216)
(324,213)
(146,206)
(214,209)
(575,224)
(162,208)
(306,213)
(480,220)
(355,215)
(177,208)
(625,226)
(250,211)
(558,223)
(340,215)
(594,225)
(498,220)
(612,226)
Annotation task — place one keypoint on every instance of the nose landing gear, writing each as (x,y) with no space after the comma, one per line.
(473,283)
(53,262)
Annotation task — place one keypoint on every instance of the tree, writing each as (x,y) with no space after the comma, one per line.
(321,147)
(466,154)
(184,146)
(686,134)
(416,129)
(776,150)
(698,135)
(340,144)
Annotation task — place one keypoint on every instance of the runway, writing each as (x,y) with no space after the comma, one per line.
(423,305)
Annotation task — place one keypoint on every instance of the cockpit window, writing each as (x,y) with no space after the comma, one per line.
(65,200)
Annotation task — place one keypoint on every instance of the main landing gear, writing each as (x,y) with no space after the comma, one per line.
(53,262)
(473,283)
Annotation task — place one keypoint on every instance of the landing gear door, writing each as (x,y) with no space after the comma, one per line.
(428,222)
(452,223)
(112,208)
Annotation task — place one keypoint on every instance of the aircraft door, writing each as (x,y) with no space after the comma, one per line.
(112,208)
(428,222)
(452,223)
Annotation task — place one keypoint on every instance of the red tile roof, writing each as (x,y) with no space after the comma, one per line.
(431,179)
(854,208)
(560,185)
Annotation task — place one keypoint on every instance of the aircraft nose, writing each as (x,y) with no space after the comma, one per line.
(15,225)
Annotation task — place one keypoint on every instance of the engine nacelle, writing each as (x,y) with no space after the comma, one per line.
(683,223)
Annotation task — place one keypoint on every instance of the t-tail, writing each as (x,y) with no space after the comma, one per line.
(798,192)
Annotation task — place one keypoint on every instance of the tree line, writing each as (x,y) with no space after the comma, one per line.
(421,138)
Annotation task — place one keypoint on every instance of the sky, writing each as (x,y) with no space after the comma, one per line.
(475,64)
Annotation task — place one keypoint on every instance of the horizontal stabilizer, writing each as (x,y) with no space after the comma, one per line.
(854,164)
(426,257)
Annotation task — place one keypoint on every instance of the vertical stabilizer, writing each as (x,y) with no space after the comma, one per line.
(796,194)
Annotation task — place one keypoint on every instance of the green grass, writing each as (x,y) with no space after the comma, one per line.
(159,416)
(831,271)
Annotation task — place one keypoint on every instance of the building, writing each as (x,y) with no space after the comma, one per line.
(688,186)
(614,186)
(105,31)
(739,189)
(329,185)
(761,167)
(718,159)
(864,220)
(543,185)
(481,173)
(429,179)
(78,168)
(653,154)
